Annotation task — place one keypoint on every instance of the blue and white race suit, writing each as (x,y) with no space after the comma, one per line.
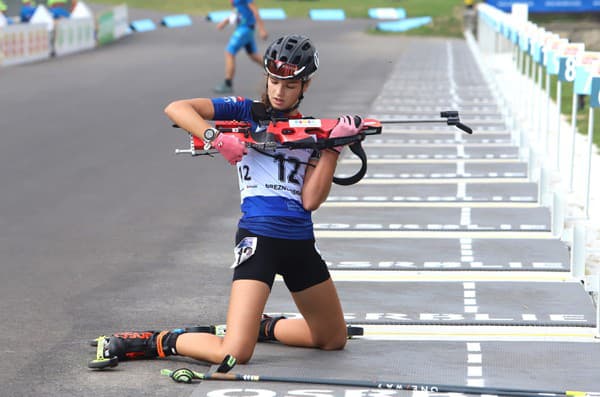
(270,185)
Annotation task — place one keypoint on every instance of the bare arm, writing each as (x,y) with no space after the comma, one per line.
(318,180)
(262,32)
(191,114)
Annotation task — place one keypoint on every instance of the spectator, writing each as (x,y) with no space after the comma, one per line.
(246,18)
(58,8)
(27,10)
(3,19)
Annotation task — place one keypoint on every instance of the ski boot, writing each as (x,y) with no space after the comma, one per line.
(134,345)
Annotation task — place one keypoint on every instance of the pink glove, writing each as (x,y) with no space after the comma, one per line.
(347,126)
(230,147)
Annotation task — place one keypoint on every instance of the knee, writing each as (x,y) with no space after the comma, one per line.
(242,355)
(336,342)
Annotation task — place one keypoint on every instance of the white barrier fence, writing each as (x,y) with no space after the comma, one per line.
(73,35)
(27,42)
(521,59)
(23,43)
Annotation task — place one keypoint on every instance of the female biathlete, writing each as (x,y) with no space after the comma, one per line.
(275,234)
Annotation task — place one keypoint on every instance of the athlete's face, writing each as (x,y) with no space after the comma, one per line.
(284,94)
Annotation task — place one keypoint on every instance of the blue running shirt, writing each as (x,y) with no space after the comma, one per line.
(270,186)
(245,14)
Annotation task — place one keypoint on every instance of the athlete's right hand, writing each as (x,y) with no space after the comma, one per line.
(347,126)
(230,147)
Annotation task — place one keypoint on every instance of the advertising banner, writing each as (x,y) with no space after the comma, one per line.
(22,43)
(73,35)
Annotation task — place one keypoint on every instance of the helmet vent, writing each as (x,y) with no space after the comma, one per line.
(306,46)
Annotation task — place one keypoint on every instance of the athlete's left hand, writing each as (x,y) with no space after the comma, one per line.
(347,126)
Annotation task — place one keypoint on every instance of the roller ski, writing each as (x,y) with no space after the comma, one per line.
(136,345)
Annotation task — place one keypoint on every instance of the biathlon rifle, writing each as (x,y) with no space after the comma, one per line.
(305,133)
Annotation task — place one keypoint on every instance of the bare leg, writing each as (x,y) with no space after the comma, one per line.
(323,325)
(229,65)
(246,304)
(256,58)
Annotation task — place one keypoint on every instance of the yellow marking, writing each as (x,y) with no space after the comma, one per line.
(506,234)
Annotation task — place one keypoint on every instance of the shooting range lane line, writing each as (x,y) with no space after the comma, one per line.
(431,234)
(474,356)
(431,161)
(522,220)
(430,204)
(395,276)
(481,333)
(423,153)
(453,192)
(455,169)
(410,256)
(492,303)
(475,368)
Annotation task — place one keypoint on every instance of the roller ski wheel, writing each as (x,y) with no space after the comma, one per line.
(102,362)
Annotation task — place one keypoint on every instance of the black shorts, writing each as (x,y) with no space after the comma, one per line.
(297,261)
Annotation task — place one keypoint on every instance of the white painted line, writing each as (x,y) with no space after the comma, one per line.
(384,144)
(478,333)
(400,131)
(431,161)
(399,181)
(430,204)
(432,234)
(474,347)
(448,276)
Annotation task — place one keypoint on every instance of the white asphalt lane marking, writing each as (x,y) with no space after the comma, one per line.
(432,234)
(465,216)
(474,362)
(444,204)
(433,161)
(399,181)
(468,176)
(466,251)
(391,276)
(427,144)
(479,333)
(430,265)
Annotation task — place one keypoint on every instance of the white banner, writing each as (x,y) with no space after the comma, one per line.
(73,35)
(24,43)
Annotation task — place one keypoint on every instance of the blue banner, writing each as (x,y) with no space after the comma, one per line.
(550,5)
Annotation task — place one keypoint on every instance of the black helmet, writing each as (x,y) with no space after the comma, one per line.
(291,57)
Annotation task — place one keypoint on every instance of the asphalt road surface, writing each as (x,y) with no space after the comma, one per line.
(102,227)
